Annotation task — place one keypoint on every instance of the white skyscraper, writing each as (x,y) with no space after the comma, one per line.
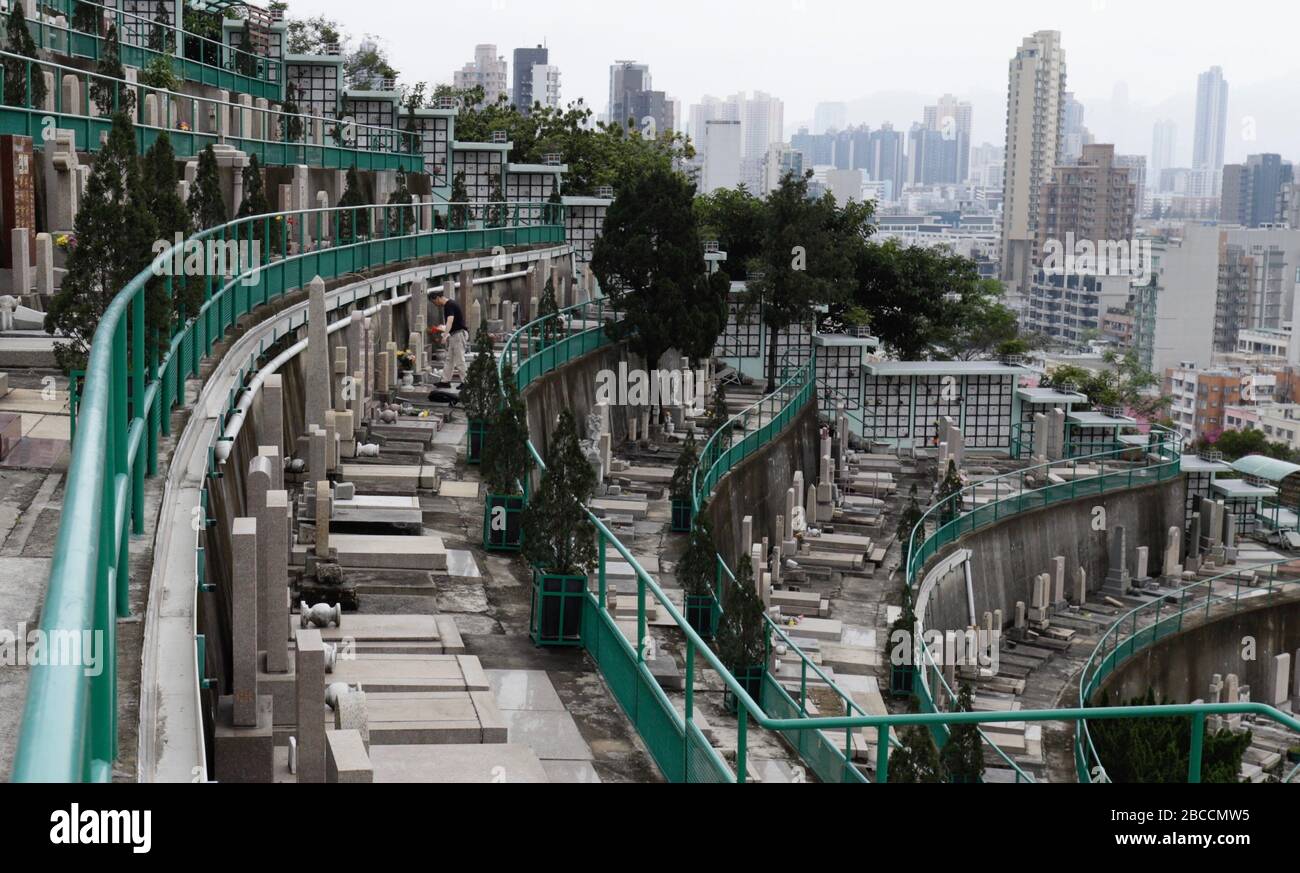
(722,144)
(1211,120)
(1164,139)
(1035,107)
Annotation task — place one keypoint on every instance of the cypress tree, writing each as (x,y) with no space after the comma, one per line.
(160,178)
(108,87)
(558,536)
(506,459)
(401,214)
(963,755)
(256,203)
(741,634)
(20,42)
(481,392)
(917,761)
(115,232)
(353,197)
(291,120)
(206,204)
(458,214)
(553,328)
(698,565)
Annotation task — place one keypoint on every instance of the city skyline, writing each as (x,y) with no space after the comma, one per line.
(1126,68)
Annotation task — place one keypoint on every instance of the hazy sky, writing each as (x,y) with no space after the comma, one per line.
(884,58)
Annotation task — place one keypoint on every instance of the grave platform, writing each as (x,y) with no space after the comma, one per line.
(389,478)
(458,763)
(377,509)
(380,552)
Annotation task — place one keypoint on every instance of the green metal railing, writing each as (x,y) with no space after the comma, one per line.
(1147,624)
(677,747)
(198,58)
(1026,489)
(69,726)
(342,144)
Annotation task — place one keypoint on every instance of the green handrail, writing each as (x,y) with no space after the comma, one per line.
(552,355)
(193,57)
(343,144)
(69,726)
(1111,650)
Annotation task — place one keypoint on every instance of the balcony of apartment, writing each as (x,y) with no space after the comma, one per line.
(84,104)
(79,28)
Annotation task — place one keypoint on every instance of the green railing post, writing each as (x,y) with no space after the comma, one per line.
(742,726)
(882,753)
(1194,755)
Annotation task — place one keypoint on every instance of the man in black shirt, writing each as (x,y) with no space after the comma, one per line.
(457,332)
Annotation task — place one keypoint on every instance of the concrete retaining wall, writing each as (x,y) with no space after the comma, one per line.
(757,486)
(1180,667)
(1006,556)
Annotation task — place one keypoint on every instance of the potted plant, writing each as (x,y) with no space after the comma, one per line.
(481,394)
(962,756)
(679,489)
(696,572)
(1012,351)
(559,539)
(506,463)
(742,635)
(902,650)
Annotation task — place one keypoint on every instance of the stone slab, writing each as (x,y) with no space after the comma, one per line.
(402,673)
(467,763)
(383,552)
(378,509)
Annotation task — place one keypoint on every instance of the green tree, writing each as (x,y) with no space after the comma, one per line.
(806,258)
(19,72)
(291,124)
(698,566)
(270,232)
(1123,382)
(246,61)
(506,460)
(481,392)
(553,329)
(720,417)
(1236,444)
(458,213)
(401,212)
(107,90)
(1158,750)
(348,203)
(963,755)
(908,519)
(366,67)
(497,211)
(160,178)
(734,217)
(680,487)
(311,36)
(927,303)
(650,261)
(162,36)
(206,204)
(558,536)
(86,18)
(951,486)
(742,635)
(917,761)
(115,233)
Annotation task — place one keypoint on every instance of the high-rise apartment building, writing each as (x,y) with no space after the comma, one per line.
(1164,141)
(1253,192)
(1091,200)
(1211,128)
(525,59)
(1035,108)
(722,146)
(487,70)
(1137,174)
(888,162)
(830,116)
(632,99)
(1073,134)
(951,118)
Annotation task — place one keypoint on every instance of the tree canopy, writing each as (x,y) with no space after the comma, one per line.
(650,261)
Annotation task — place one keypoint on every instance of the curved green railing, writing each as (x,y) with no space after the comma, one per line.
(69,726)
(1161,456)
(343,144)
(1142,627)
(200,59)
